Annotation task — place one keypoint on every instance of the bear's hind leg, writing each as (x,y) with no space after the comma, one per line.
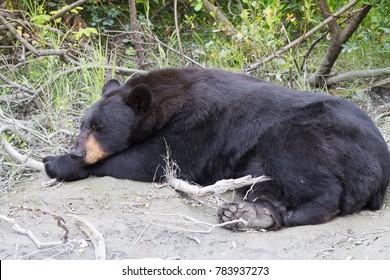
(264,214)
(316,211)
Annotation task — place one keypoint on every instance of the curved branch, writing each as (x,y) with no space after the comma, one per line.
(16,156)
(357,74)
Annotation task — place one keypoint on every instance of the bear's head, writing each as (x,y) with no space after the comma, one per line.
(112,123)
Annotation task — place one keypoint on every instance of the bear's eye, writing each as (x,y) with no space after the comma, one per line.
(94,127)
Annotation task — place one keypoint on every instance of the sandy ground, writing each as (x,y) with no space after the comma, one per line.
(139,220)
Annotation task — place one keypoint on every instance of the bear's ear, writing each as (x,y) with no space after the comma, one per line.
(110,85)
(140,99)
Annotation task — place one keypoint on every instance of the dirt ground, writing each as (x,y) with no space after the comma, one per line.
(139,220)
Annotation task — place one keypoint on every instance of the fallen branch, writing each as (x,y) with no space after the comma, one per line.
(93,234)
(381,116)
(16,156)
(183,223)
(17,86)
(217,188)
(357,74)
(30,234)
(59,52)
(16,227)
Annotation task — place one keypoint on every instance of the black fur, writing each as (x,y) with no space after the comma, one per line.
(324,153)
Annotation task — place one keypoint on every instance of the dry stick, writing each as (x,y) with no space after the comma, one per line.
(357,74)
(178,30)
(19,229)
(16,227)
(120,70)
(59,52)
(93,234)
(67,9)
(17,86)
(302,38)
(18,124)
(177,52)
(381,116)
(217,188)
(186,220)
(23,159)
(60,221)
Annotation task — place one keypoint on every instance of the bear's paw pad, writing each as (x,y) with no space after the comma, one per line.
(255,217)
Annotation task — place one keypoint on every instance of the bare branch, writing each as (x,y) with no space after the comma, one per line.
(67,9)
(217,188)
(95,236)
(30,234)
(334,27)
(357,74)
(16,156)
(177,52)
(17,86)
(183,223)
(336,46)
(58,52)
(256,65)
(178,30)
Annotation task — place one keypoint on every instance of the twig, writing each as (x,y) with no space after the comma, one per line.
(357,74)
(95,236)
(142,233)
(186,220)
(17,86)
(217,188)
(324,251)
(177,52)
(30,234)
(60,221)
(178,30)
(67,9)
(16,156)
(381,116)
(256,65)
(59,52)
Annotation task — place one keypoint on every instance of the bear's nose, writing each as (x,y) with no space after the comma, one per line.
(77,155)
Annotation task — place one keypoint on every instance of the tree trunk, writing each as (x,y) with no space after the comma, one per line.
(339,37)
(137,41)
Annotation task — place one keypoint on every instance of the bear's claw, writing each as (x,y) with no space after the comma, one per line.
(256,216)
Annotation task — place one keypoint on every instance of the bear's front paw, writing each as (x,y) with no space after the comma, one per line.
(63,168)
(253,216)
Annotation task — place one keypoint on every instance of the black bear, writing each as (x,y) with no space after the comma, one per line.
(325,155)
